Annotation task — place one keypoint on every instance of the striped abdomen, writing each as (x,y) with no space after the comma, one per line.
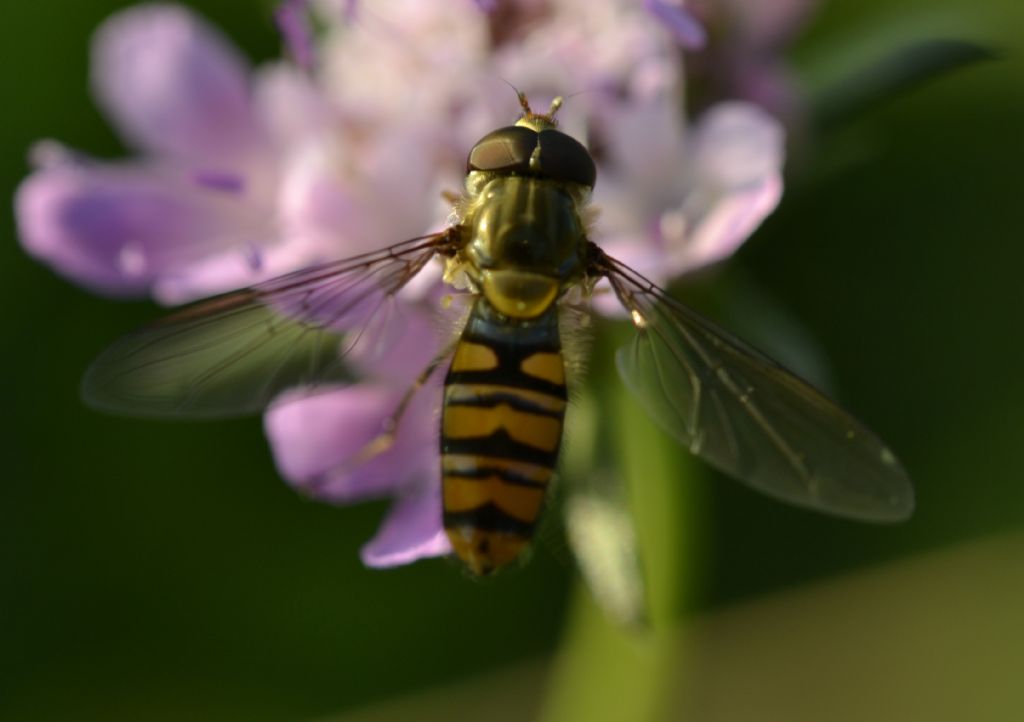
(501,428)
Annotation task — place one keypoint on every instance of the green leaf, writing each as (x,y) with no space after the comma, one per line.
(892,75)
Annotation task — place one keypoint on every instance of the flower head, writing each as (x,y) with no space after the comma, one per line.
(743,58)
(243,175)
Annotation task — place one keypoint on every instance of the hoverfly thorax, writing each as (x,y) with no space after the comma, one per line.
(526,185)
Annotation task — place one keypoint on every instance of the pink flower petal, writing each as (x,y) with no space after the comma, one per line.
(320,441)
(313,436)
(685,28)
(646,144)
(412,530)
(398,344)
(737,145)
(353,198)
(113,229)
(294,24)
(725,226)
(244,263)
(289,105)
(171,83)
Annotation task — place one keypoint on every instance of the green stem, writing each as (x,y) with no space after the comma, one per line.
(604,670)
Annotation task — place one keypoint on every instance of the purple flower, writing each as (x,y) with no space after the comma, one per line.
(744,57)
(244,175)
(317,443)
(674,197)
(293,22)
(329,445)
(687,29)
(226,190)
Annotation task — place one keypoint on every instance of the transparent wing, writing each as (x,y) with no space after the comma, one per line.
(749,417)
(233,354)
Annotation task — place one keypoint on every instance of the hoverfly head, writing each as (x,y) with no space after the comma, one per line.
(534,147)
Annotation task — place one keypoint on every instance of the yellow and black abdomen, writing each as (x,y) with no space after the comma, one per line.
(501,429)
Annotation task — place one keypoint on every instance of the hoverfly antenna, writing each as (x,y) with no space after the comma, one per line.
(538,121)
(543,118)
(524,103)
(520,95)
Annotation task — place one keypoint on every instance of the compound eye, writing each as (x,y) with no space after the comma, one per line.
(506,149)
(565,158)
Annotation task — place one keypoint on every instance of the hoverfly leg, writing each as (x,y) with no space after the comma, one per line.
(383,441)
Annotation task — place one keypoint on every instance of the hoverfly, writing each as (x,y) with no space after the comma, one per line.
(518,242)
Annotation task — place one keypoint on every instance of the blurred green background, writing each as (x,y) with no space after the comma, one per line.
(162,571)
